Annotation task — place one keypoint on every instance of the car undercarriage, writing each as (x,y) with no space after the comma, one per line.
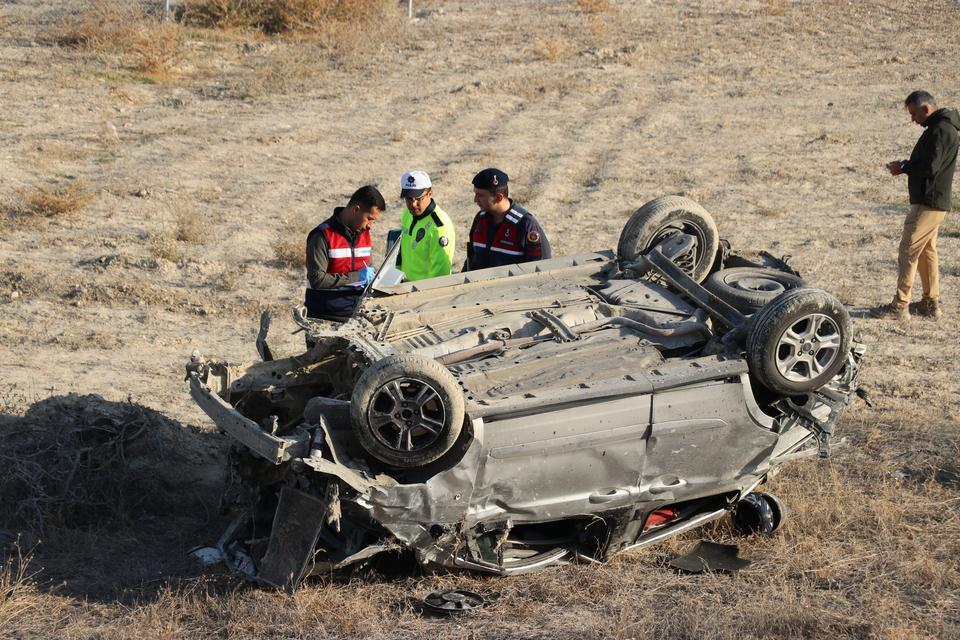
(511,418)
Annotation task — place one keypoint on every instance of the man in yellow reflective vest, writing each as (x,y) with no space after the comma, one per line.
(427,240)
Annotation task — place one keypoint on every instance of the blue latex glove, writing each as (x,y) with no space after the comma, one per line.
(366,275)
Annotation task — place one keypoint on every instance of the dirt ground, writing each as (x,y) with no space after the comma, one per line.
(190,186)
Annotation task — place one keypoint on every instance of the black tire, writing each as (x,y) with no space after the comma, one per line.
(758,513)
(779,509)
(748,289)
(664,217)
(798,342)
(407,410)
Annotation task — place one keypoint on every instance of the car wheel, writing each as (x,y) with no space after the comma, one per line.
(799,341)
(407,410)
(666,216)
(748,289)
(758,513)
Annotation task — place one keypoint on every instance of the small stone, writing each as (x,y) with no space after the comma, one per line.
(14,295)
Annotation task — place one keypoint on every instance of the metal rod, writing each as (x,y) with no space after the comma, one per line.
(409,8)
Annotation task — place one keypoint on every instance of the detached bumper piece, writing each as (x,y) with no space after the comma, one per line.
(276,449)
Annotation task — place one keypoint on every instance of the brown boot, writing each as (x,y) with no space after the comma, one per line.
(927,307)
(890,311)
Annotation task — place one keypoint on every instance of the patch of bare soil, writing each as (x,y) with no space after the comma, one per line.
(157,183)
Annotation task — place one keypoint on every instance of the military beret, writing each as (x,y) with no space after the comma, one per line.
(490,179)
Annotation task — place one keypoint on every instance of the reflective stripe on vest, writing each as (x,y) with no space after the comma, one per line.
(507,238)
(342,257)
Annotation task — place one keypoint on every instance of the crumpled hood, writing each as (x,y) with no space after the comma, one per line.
(950,115)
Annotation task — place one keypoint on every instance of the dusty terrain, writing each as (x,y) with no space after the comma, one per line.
(193,180)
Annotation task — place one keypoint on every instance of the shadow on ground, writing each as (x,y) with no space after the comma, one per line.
(107,497)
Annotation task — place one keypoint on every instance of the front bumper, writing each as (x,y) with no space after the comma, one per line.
(276,449)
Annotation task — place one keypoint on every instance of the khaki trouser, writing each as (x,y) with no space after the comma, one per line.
(918,251)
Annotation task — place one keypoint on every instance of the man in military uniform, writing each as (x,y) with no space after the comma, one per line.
(427,239)
(338,257)
(503,232)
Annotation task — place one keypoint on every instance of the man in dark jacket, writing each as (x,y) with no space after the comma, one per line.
(929,180)
(338,257)
(502,232)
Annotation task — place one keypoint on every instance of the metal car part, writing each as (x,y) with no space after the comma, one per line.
(603,411)
(808,347)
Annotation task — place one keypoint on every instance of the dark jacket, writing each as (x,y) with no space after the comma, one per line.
(330,295)
(934,158)
(518,238)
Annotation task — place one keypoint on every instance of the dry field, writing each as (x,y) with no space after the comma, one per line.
(157,183)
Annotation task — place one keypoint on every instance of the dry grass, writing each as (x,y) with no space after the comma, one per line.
(288,251)
(551,47)
(289,246)
(158,50)
(173,241)
(58,202)
(164,247)
(593,6)
(287,70)
(285,16)
(192,227)
(103,26)
(18,593)
(116,27)
(870,547)
(774,7)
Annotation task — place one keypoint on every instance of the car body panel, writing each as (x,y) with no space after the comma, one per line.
(591,399)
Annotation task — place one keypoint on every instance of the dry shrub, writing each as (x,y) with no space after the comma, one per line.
(227,14)
(18,593)
(80,461)
(290,69)
(289,247)
(593,6)
(284,16)
(191,227)
(770,212)
(172,241)
(124,28)
(58,202)
(103,26)
(550,48)
(288,250)
(158,49)
(773,7)
(229,278)
(162,246)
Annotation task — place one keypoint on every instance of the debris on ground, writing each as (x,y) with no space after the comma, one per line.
(711,557)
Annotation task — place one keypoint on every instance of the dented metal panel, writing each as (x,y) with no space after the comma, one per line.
(508,419)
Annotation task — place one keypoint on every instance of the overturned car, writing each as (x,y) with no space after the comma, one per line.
(507,419)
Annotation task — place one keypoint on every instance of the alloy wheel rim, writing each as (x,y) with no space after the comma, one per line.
(808,347)
(406,415)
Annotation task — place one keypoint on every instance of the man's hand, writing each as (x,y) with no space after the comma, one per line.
(896,167)
(366,274)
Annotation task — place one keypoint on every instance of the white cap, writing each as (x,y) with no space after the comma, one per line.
(414,183)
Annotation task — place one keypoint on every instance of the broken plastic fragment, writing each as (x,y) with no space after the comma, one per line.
(453,601)
(711,556)
(205,556)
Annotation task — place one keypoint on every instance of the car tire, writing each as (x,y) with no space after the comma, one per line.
(749,289)
(407,410)
(666,216)
(798,342)
(758,513)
